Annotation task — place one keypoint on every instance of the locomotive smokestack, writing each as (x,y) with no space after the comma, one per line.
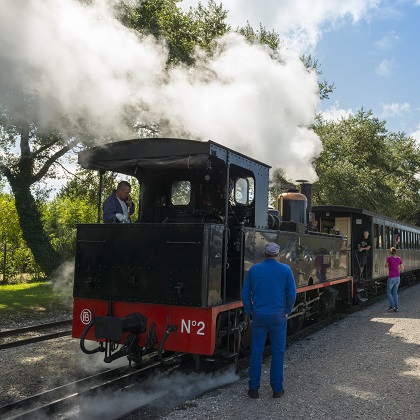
(306,190)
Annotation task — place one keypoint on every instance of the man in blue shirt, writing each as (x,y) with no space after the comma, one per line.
(268,295)
(119,206)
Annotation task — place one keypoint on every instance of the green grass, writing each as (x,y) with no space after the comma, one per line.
(30,298)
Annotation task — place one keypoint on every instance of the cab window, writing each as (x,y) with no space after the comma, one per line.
(244,191)
(181,193)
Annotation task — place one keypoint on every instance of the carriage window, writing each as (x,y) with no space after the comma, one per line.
(377,233)
(244,191)
(388,237)
(397,239)
(181,193)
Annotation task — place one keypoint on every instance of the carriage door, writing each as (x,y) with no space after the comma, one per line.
(344,224)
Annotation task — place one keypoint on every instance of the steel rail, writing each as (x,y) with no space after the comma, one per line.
(65,397)
(33,328)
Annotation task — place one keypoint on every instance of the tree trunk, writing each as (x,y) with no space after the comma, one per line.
(32,229)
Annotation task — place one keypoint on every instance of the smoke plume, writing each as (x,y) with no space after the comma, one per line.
(82,63)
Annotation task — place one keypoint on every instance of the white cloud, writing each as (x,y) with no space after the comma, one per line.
(395,109)
(387,42)
(385,68)
(300,22)
(335,113)
(416,134)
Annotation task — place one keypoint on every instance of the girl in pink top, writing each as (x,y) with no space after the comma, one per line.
(395,266)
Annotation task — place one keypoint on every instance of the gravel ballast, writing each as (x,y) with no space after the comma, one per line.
(366,366)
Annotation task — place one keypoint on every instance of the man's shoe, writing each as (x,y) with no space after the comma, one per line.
(396,310)
(278,394)
(391,309)
(253,393)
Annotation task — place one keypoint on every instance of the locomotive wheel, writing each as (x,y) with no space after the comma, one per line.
(408,279)
(360,295)
(197,363)
(245,348)
(295,324)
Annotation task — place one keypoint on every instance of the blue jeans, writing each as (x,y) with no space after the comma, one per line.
(276,326)
(392,291)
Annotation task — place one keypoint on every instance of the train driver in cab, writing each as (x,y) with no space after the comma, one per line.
(119,206)
(314,226)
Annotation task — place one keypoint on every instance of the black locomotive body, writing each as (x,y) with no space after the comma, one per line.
(171,281)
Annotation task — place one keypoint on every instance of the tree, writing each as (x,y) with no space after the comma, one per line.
(363,165)
(61,216)
(324,87)
(262,36)
(18,256)
(182,31)
(27,164)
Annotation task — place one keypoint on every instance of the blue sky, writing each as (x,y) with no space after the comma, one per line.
(375,65)
(368,48)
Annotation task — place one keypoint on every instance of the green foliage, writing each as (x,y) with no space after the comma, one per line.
(324,87)
(262,36)
(18,258)
(85,184)
(25,166)
(181,31)
(363,165)
(60,218)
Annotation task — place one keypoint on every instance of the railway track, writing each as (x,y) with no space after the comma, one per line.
(78,399)
(34,334)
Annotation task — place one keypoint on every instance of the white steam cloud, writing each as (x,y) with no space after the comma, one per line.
(161,391)
(62,280)
(84,63)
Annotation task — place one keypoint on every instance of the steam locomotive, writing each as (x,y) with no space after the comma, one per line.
(171,281)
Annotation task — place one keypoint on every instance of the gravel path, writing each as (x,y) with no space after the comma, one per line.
(366,366)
